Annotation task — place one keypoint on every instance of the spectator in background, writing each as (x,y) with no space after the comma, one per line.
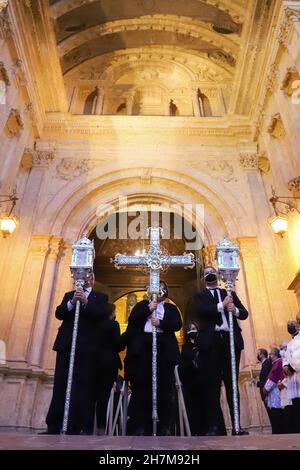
(273,393)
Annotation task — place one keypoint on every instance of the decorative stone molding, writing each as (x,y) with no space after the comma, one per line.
(218,169)
(39,244)
(3,5)
(3,74)
(5,25)
(294,185)
(263,163)
(14,123)
(208,253)
(56,246)
(222,57)
(248,247)
(27,159)
(291,75)
(43,158)
(291,15)
(146,176)
(70,168)
(272,78)
(19,74)
(259,121)
(249,161)
(60,127)
(276,128)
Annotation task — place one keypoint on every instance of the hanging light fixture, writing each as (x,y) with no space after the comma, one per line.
(8,222)
(279,221)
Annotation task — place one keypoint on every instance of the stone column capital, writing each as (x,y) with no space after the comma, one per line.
(43,158)
(249,160)
(56,244)
(39,244)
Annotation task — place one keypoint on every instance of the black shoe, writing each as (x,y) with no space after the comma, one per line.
(214,432)
(139,431)
(164,432)
(241,432)
(49,431)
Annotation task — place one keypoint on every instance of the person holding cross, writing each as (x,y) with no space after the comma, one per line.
(138,361)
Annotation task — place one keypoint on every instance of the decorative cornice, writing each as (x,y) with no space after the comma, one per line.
(97,127)
(249,161)
(69,168)
(39,244)
(294,185)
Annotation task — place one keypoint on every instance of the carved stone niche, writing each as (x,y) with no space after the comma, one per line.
(14,123)
(291,76)
(276,128)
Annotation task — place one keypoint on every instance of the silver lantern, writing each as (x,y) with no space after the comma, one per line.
(228,269)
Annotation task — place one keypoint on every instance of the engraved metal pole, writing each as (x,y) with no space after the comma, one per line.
(227,261)
(155,260)
(81,268)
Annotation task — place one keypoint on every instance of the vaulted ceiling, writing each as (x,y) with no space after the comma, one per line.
(89,29)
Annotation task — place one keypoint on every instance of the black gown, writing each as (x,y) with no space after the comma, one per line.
(81,414)
(216,349)
(138,367)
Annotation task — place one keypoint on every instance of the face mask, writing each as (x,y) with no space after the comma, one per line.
(258,357)
(210,277)
(292,329)
(192,334)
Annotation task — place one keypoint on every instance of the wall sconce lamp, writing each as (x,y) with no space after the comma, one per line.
(279,221)
(8,222)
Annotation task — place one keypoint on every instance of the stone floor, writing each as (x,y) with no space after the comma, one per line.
(26,441)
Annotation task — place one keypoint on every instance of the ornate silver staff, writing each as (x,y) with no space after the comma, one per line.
(155,260)
(81,267)
(228,269)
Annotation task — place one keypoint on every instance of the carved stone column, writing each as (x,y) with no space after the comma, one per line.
(208,253)
(22,323)
(42,311)
(255,286)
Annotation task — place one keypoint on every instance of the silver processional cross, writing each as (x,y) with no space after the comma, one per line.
(154,261)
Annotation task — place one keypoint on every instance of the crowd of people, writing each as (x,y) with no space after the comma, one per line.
(279,382)
(204,364)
